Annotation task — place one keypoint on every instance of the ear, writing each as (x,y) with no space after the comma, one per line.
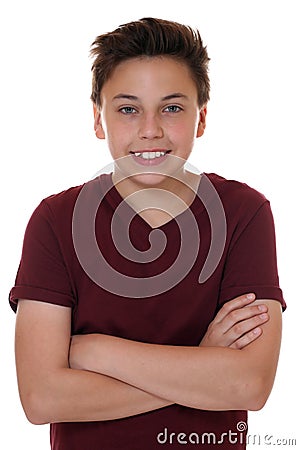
(98,123)
(202,121)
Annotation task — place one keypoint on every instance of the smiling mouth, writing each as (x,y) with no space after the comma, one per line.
(148,155)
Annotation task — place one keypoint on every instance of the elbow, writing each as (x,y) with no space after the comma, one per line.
(257,403)
(258,400)
(41,399)
(34,414)
(35,419)
(34,408)
(256,394)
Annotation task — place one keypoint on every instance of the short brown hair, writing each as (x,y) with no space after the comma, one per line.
(150,37)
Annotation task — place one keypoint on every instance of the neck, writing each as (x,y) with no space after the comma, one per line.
(159,201)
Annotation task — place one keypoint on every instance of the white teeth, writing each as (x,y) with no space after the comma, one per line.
(149,155)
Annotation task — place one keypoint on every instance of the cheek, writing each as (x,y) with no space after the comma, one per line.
(119,139)
(183,133)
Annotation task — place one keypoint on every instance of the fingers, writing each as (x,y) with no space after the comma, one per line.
(247,338)
(236,303)
(246,331)
(237,324)
(236,320)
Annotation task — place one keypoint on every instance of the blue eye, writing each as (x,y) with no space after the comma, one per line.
(173,109)
(127,110)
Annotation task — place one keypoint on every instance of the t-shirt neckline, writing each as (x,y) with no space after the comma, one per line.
(115,198)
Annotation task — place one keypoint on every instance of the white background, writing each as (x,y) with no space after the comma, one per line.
(47,144)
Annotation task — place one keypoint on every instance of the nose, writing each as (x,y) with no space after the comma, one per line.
(150,127)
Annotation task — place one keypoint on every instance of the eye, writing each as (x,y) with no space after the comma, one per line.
(128,110)
(173,109)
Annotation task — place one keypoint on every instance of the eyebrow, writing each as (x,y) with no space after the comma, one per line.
(163,99)
(175,95)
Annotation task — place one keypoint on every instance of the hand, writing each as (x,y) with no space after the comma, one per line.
(237,324)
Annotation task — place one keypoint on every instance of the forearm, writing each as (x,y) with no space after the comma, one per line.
(211,378)
(68,395)
(205,378)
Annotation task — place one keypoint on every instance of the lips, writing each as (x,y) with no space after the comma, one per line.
(150,157)
(151,153)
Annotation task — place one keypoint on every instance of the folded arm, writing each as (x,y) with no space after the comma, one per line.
(51,391)
(211,378)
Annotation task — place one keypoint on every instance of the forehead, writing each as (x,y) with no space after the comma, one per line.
(150,75)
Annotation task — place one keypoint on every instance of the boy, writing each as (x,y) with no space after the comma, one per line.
(149,364)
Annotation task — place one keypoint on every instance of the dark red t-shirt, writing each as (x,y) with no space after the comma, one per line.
(50,271)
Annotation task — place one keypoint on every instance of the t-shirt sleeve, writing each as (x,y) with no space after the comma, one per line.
(251,263)
(42,274)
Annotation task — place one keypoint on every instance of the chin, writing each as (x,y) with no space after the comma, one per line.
(148,174)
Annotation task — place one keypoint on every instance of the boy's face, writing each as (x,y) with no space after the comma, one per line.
(149,110)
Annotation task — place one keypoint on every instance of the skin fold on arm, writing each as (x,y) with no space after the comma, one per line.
(52,391)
